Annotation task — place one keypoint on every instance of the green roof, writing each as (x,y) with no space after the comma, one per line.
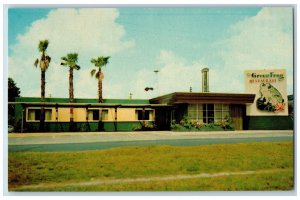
(66,100)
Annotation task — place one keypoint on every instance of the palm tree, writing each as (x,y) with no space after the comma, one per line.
(43,64)
(99,63)
(71,61)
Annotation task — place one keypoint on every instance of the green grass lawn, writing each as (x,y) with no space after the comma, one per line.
(29,168)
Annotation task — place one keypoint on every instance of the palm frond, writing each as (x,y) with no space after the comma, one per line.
(70,60)
(72,57)
(64,61)
(48,59)
(64,58)
(77,67)
(36,62)
(105,59)
(93,60)
(93,71)
(47,62)
(43,45)
(100,61)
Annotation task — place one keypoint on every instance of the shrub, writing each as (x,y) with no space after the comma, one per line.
(145,126)
(226,124)
(187,125)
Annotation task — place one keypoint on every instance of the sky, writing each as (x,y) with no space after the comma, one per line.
(178,42)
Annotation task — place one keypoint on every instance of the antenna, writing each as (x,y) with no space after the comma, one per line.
(156,72)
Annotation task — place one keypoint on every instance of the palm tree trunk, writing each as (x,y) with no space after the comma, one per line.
(71,96)
(100,100)
(100,86)
(43,83)
(42,114)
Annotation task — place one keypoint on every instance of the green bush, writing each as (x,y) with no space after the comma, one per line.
(187,125)
(145,126)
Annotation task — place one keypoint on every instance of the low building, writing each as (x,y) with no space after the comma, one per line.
(205,107)
(138,114)
(89,115)
(264,107)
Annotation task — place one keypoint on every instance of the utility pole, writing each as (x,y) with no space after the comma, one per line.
(157,88)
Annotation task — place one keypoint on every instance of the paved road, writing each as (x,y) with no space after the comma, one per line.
(93,141)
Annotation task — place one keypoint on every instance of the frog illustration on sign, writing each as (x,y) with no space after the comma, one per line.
(271,99)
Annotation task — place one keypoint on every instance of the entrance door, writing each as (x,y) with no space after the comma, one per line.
(163,118)
(237,115)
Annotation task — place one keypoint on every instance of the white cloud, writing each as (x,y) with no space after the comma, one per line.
(174,75)
(264,41)
(261,41)
(88,32)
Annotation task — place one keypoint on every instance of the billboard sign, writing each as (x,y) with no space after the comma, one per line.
(270,89)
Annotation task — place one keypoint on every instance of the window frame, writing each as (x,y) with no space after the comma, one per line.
(223,111)
(150,116)
(97,109)
(204,112)
(38,108)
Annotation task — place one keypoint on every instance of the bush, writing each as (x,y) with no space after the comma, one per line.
(145,126)
(225,124)
(187,125)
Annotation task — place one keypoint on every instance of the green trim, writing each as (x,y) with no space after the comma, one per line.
(66,100)
(81,126)
(269,123)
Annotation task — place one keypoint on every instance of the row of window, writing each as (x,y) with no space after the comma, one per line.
(208,113)
(93,114)
(34,114)
(139,115)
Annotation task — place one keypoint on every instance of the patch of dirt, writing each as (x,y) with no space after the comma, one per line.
(143,179)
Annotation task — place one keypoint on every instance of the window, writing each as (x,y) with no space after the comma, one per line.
(144,114)
(104,114)
(208,113)
(221,112)
(35,114)
(48,115)
(93,115)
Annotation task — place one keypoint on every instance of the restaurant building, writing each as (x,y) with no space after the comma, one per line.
(263,107)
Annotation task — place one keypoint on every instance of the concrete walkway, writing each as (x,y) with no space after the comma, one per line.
(92,137)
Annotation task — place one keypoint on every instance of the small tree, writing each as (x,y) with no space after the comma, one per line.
(13,92)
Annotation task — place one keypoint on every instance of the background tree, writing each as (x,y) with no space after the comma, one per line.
(99,63)
(13,92)
(43,64)
(71,61)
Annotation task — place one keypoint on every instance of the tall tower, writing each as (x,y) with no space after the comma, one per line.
(205,80)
